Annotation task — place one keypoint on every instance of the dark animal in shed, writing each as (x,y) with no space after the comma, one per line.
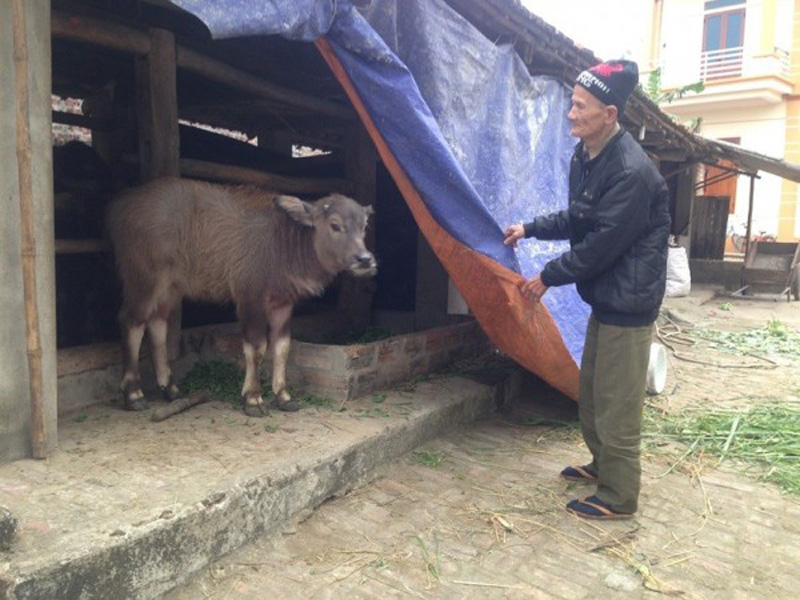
(176,238)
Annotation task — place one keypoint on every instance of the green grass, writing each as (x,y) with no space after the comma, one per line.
(309,400)
(432,460)
(764,440)
(433,560)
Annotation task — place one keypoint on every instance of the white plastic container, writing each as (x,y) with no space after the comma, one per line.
(657,369)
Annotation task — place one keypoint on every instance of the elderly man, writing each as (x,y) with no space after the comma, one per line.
(617,224)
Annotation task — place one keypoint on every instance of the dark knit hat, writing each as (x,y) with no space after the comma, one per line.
(611,82)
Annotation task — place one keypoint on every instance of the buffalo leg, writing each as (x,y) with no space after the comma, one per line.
(280,341)
(254,345)
(252,402)
(157,328)
(131,386)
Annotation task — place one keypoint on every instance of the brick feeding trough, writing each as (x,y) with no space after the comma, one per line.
(90,375)
(342,372)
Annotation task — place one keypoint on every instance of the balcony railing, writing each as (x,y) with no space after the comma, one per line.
(721,64)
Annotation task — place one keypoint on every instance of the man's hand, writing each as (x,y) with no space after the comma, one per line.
(533,289)
(514,233)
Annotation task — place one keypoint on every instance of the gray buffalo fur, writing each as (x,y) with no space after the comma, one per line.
(176,238)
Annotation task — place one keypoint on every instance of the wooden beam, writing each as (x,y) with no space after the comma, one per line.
(199,169)
(127,39)
(77,120)
(220,72)
(77,28)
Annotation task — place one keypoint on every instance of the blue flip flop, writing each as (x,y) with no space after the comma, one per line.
(584,473)
(594,508)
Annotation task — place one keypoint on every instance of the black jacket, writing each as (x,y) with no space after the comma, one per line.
(617,224)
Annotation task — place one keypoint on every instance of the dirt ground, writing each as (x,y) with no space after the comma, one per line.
(479,513)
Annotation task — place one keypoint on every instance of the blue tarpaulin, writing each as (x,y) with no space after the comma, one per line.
(484,143)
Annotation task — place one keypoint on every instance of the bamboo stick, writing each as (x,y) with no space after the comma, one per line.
(24,164)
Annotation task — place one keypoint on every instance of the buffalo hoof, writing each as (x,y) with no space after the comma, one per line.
(287,406)
(133,398)
(254,410)
(135,403)
(170,392)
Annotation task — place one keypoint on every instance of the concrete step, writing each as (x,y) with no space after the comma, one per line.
(128,508)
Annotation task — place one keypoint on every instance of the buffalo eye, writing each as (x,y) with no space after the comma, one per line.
(336,227)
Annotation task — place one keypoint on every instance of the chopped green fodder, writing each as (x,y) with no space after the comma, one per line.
(774,338)
(765,440)
(222,380)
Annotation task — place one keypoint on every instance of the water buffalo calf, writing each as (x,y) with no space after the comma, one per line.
(176,238)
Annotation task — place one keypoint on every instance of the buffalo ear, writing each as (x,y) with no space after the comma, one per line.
(369,210)
(298,211)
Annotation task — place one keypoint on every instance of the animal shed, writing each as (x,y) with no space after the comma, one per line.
(140,91)
(156,94)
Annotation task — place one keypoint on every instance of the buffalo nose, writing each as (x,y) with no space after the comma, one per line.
(365,259)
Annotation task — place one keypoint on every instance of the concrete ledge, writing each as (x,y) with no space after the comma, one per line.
(129,508)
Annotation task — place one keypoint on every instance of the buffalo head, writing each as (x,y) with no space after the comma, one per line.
(339,224)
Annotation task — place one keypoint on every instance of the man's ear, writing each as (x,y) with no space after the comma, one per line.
(298,211)
(612,112)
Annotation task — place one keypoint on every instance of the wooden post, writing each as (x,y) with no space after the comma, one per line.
(355,295)
(25,168)
(157,108)
(157,124)
(749,233)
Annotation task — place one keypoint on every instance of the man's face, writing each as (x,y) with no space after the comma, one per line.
(589,117)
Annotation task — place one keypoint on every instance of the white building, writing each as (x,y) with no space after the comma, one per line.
(747,53)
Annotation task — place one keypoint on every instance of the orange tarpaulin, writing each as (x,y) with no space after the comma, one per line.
(523,330)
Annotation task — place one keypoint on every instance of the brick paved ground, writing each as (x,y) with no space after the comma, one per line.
(488,522)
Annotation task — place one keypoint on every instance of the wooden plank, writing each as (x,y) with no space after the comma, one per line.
(709,227)
(200,169)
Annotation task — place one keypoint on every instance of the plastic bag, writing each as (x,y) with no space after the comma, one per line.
(679,278)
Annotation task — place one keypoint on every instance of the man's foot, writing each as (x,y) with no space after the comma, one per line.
(584,473)
(594,508)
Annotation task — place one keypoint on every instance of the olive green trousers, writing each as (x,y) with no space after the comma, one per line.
(612,387)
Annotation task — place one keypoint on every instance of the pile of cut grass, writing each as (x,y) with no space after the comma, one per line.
(222,380)
(774,338)
(765,440)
